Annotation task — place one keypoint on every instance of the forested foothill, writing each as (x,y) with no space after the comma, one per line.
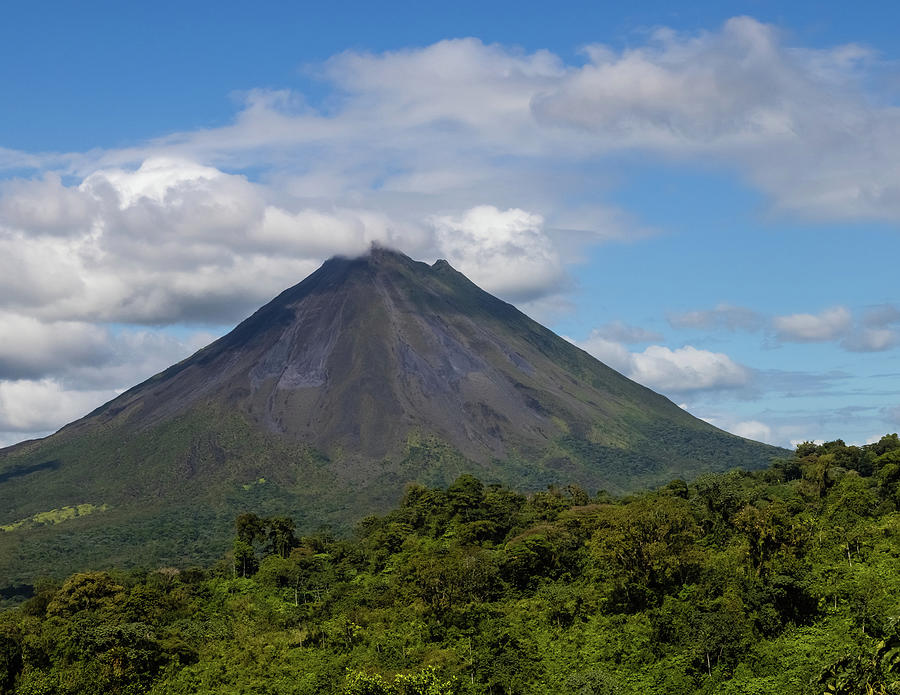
(777,581)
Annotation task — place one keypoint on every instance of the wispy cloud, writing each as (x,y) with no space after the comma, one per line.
(625,333)
(723,316)
(874,331)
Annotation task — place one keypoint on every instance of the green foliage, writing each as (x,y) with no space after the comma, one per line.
(782,581)
(425,682)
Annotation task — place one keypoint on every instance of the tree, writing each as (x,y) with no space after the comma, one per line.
(250,528)
(465,496)
(10,655)
(720,496)
(646,547)
(84,592)
(245,563)
(767,531)
(280,532)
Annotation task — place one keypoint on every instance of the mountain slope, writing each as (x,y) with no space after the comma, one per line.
(370,373)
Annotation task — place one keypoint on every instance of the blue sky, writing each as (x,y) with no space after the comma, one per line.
(705,197)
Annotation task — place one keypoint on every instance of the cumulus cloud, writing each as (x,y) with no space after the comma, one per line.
(53,374)
(30,348)
(411,146)
(166,242)
(486,88)
(877,330)
(44,405)
(687,369)
(173,240)
(798,123)
(44,206)
(504,251)
(793,425)
(682,370)
(827,325)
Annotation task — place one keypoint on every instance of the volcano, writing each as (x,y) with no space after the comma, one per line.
(371,373)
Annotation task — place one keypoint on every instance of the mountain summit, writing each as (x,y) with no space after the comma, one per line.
(371,373)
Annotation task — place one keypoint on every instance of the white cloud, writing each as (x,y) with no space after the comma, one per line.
(777,434)
(47,381)
(682,370)
(876,331)
(161,232)
(42,405)
(687,369)
(30,348)
(160,180)
(828,325)
(504,251)
(459,81)
(44,206)
(166,242)
(681,91)
(872,334)
(173,241)
(798,123)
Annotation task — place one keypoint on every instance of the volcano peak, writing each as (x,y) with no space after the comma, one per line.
(372,372)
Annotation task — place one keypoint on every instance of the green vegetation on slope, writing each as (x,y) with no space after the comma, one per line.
(779,581)
(170,492)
